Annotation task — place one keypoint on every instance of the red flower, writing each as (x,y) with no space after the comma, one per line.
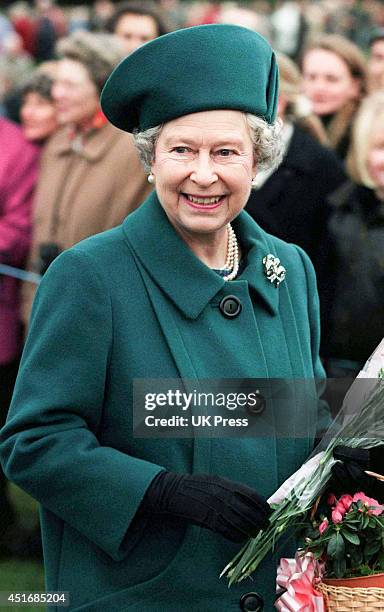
(331,501)
(346,501)
(323,526)
(338,514)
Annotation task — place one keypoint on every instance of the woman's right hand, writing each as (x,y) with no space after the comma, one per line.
(224,506)
(348,474)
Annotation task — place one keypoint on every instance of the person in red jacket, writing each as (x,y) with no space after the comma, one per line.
(18,174)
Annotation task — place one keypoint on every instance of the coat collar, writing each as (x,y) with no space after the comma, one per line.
(188,283)
(94,145)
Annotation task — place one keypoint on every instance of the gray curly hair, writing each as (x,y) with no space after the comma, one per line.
(98,52)
(266,139)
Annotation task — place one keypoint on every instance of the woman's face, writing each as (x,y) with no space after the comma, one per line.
(203,169)
(328,82)
(75,94)
(38,117)
(375,164)
(135,30)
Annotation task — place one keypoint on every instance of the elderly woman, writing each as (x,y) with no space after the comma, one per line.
(188,287)
(38,112)
(90,176)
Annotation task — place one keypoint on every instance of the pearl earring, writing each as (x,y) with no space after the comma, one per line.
(151,178)
(254,182)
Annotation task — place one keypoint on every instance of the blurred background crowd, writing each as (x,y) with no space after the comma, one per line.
(66,173)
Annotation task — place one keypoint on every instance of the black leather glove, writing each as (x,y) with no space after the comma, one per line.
(348,475)
(224,506)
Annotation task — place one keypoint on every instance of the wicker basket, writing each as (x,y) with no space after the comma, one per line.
(345,599)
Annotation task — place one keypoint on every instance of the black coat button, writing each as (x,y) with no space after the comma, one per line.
(230,306)
(251,602)
(258,406)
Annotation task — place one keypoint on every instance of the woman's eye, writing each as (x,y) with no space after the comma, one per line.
(181,150)
(225,152)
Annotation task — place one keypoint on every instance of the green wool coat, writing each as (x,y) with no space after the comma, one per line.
(134,302)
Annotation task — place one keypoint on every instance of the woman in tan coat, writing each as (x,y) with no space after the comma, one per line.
(90,176)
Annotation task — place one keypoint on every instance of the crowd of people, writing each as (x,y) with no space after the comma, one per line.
(66,173)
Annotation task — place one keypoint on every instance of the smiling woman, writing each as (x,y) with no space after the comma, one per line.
(203,169)
(38,113)
(203,165)
(335,81)
(189,287)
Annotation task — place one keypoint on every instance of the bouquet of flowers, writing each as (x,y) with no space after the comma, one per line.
(360,424)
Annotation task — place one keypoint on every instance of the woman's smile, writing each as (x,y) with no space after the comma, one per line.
(203,202)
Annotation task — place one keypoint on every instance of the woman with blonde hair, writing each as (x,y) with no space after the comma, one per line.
(294,105)
(356,231)
(335,81)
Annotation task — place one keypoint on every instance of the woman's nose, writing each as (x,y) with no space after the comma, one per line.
(57,91)
(203,171)
(25,113)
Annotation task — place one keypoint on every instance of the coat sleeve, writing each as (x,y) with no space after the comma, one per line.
(49,445)
(16,195)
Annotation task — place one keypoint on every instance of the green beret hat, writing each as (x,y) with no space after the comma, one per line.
(195,69)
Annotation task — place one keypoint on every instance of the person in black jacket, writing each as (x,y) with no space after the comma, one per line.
(291,201)
(356,246)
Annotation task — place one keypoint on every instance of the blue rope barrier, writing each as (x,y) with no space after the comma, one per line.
(31,277)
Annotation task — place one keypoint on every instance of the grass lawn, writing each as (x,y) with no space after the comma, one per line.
(19,576)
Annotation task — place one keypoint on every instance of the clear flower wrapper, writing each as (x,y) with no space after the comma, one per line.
(359,424)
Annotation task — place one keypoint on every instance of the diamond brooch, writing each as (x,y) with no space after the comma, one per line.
(273,269)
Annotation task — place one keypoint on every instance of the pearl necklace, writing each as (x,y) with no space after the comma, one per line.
(232,261)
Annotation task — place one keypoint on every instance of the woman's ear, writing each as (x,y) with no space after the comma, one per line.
(282,106)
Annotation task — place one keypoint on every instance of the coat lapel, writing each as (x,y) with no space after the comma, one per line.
(182,277)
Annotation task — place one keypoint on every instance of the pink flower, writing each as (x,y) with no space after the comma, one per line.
(342,506)
(331,501)
(323,526)
(346,501)
(369,501)
(338,513)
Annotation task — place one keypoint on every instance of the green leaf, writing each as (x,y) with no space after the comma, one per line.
(351,537)
(371,548)
(339,567)
(365,521)
(352,526)
(336,546)
(380,560)
(356,557)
